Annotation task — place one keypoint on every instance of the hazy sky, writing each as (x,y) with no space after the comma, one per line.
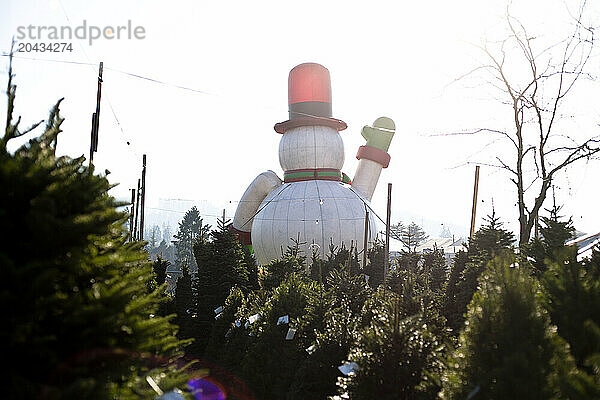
(396,59)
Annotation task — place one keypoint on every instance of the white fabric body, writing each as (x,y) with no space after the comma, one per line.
(366,177)
(260,187)
(311,147)
(315,211)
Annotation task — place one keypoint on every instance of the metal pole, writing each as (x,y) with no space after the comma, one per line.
(143,197)
(386,263)
(474,208)
(96,116)
(137,212)
(132,213)
(365,241)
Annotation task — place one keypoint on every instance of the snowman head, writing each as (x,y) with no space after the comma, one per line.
(311,147)
(311,138)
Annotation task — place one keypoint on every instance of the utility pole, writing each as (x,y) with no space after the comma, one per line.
(143,197)
(386,263)
(365,241)
(132,213)
(474,208)
(96,118)
(137,213)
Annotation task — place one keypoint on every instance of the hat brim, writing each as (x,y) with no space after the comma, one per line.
(337,124)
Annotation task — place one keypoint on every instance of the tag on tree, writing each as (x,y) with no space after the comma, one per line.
(283,320)
(290,334)
(348,368)
(254,318)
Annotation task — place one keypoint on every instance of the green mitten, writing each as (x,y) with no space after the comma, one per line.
(380,134)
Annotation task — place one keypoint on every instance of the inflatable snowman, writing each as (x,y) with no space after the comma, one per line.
(315,204)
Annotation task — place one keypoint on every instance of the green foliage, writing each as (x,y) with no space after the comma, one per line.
(270,360)
(490,241)
(275,273)
(452,309)
(508,349)
(222,264)
(411,236)
(184,305)
(393,357)
(191,230)
(573,290)
(555,232)
(159,267)
(435,265)
(376,260)
(79,320)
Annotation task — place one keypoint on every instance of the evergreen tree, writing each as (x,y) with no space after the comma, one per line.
(270,361)
(412,236)
(555,232)
(191,230)
(184,305)
(393,357)
(490,241)
(508,349)
(573,290)
(277,271)
(222,264)
(376,259)
(79,320)
(452,308)
(159,266)
(435,266)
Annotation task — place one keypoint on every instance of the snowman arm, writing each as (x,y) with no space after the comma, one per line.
(260,187)
(373,156)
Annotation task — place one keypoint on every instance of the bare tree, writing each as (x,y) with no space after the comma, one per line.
(534,81)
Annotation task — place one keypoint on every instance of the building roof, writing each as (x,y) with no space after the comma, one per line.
(447,244)
(585,244)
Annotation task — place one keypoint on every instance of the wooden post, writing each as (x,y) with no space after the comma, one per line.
(142,206)
(137,213)
(474,208)
(365,241)
(386,263)
(132,213)
(96,117)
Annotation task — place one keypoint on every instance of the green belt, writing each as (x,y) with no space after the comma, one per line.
(309,174)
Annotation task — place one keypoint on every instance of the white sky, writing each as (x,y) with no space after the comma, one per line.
(385,58)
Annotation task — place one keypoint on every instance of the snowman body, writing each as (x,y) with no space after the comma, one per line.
(314,212)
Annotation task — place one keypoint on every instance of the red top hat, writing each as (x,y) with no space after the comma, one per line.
(309,99)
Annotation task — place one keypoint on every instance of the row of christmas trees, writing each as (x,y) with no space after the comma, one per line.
(499,324)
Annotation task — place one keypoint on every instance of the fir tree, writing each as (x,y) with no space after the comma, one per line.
(554,234)
(80,322)
(159,266)
(573,289)
(374,269)
(270,360)
(191,230)
(435,266)
(222,264)
(490,241)
(508,350)
(451,309)
(412,236)
(184,305)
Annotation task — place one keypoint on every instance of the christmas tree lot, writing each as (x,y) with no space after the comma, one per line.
(89,313)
